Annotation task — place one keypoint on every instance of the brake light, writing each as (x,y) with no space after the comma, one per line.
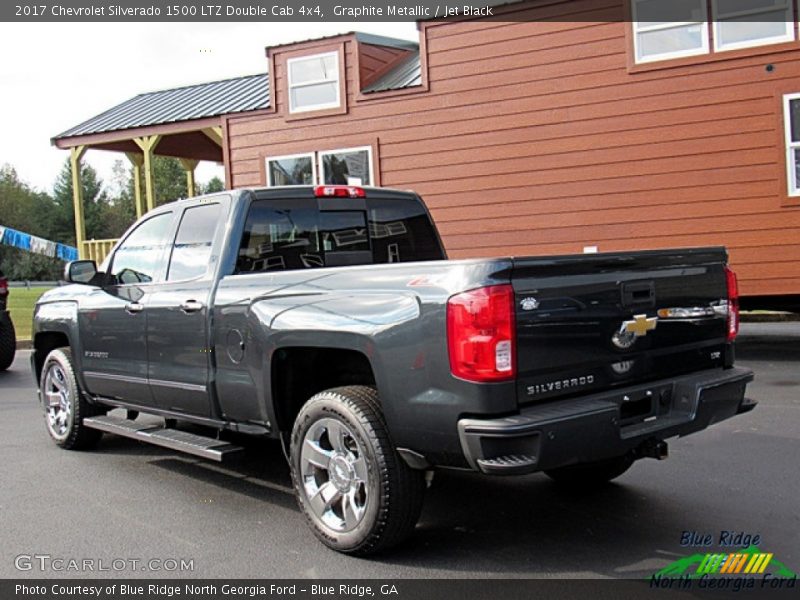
(339,191)
(3,286)
(480,334)
(733,304)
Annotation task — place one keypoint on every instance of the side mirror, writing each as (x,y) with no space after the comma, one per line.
(80,271)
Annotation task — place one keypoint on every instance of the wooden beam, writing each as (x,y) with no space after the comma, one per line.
(189,165)
(214,134)
(138,161)
(122,135)
(148,145)
(76,154)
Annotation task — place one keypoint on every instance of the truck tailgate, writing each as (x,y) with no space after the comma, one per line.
(597,321)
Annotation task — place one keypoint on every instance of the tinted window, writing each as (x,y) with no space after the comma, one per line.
(192,247)
(401,231)
(139,258)
(281,235)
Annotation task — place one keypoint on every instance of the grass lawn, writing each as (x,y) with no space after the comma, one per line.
(20,303)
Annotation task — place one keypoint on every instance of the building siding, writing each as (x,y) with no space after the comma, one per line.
(540,138)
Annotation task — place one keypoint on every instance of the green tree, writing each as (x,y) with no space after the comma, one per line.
(169,179)
(95,204)
(121,209)
(26,210)
(213,185)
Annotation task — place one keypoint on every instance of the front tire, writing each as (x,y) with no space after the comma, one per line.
(357,494)
(8,342)
(64,404)
(591,475)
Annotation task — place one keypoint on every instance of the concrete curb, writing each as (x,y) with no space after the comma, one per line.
(770,318)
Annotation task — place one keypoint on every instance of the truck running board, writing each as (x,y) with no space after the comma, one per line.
(173,439)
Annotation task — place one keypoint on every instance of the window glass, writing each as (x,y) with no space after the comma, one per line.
(401,231)
(139,258)
(658,12)
(290,170)
(312,69)
(796,169)
(278,237)
(192,247)
(313,82)
(281,234)
(744,23)
(675,40)
(794,119)
(318,95)
(672,29)
(726,8)
(346,167)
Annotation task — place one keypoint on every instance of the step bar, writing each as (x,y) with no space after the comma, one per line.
(174,439)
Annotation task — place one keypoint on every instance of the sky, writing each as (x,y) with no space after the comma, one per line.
(56,75)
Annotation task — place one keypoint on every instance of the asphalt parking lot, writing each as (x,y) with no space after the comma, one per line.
(131,501)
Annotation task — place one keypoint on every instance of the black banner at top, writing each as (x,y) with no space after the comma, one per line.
(320,11)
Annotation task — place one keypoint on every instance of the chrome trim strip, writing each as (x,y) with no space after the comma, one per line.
(146,381)
(178,385)
(114,377)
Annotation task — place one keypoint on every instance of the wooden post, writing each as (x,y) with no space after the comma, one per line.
(137,160)
(76,154)
(189,165)
(148,145)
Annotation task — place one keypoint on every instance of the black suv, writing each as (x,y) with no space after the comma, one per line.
(8,339)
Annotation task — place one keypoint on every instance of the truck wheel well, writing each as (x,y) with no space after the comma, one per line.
(44,343)
(299,373)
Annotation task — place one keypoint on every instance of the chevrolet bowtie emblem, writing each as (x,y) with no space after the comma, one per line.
(639,326)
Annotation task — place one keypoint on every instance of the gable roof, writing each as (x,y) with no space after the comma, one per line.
(185,103)
(407,73)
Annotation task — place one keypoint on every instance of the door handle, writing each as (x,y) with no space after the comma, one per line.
(191,306)
(133,307)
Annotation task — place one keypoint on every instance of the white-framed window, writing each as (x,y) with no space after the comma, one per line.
(293,169)
(674,29)
(747,23)
(791,118)
(313,82)
(348,166)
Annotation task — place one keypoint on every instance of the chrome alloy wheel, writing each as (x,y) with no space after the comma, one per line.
(57,401)
(335,475)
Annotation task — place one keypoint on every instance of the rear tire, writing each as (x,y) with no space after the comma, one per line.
(64,404)
(357,494)
(8,342)
(589,475)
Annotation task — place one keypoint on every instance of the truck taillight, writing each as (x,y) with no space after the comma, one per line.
(480,334)
(733,304)
(339,191)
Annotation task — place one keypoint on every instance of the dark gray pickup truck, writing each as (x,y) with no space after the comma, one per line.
(328,317)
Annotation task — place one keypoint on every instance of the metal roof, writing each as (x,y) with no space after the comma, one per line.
(382,40)
(180,104)
(407,74)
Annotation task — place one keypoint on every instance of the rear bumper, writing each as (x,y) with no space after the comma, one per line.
(590,428)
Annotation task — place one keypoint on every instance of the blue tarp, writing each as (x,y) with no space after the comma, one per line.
(31,243)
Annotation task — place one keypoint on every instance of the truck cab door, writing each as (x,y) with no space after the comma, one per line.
(179,359)
(112,319)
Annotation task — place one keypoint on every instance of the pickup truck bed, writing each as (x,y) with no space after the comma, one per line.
(329,318)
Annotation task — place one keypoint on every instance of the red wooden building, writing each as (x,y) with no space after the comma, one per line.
(562,127)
